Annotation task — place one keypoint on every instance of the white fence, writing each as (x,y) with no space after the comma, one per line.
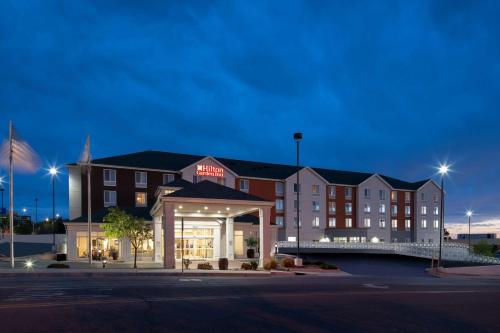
(450,251)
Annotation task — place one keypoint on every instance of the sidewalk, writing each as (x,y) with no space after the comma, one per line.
(490,271)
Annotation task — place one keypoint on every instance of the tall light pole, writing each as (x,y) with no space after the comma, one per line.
(469,215)
(297,137)
(443,171)
(53,173)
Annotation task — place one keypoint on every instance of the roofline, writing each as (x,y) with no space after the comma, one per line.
(310,169)
(429,180)
(214,159)
(228,202)
(121,167)
(379,177)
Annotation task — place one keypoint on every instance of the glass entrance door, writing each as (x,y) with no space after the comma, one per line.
(198,244)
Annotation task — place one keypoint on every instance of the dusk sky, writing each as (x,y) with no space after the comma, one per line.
(377,86)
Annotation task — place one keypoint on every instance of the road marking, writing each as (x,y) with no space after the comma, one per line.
(375,286)
(189,280)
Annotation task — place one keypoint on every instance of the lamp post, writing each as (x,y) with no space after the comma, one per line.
(297,137)
(469,215)
(443,171)
(53,173)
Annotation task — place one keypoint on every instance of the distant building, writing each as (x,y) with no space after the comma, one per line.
(477,237)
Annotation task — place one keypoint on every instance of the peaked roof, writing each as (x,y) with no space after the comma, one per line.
(207,189)
(343,177)
(258,169)
(402,185)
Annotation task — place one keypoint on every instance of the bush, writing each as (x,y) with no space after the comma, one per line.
(270,264)
(246,266)
(186,263)
(61,257)
(205,266)
(327,266)
(483,248)
(58,266)
(287,262)
(223,264)
(254,264)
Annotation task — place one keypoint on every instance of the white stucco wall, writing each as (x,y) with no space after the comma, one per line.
(429,190)
(75,192)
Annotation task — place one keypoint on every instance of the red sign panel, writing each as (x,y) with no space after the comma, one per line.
(209,170)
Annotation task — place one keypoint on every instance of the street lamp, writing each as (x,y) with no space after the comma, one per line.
(443,171)
(469,215)
(298,137)
(53,173)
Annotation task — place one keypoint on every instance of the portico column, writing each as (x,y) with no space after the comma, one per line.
(264,231)
(157,238)
(229,239)
(169,235)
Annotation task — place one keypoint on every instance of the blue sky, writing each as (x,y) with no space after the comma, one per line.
(393,87)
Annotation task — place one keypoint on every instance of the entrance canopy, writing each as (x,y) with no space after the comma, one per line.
(209,200)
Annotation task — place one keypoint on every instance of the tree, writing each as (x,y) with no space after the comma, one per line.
(119,224)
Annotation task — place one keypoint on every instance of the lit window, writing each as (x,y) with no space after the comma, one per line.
(381,208)
(424,224)
(315,222)
(348,192)
(367,222)
(295,222)
(279,220)
(394,224)
(315,206)
(348,222)
(332,222)
(367,208)
(244,184)
(394,196)
(168,178)
(109,198)
(407,196)
(141,179)
(436,210)
(292,238)
(332,207)
(407,224)
(279,188)
(423,210)
(367,193)
(279,204)
(332,191)
(407,210)
(109,177)
(381,194)
(348,208)
(381,223)
(141,199)
(315,189)
(436,224)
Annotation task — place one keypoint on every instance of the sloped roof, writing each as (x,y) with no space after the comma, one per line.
(343,177)
(258,169)
(402,185)
(209,190)
(98,215)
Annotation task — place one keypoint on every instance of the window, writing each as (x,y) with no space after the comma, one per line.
(422,196)
(381,194)
(292,238)
(435,198)
(315,189)
(348,222)
(367,222)
(279,220)
(340,239)
(279,204)
(348,208)
(394,196)
(332,222)
(348,192)
(367,208)
(381,208)
(109,198)
(436,224)
(367,193)
(195,179)
(436,210)
(109,177)
(332,191)
(394,224)
(394,209)
(423,210)
(244,185)
(295,222)
(279,188)
(407,210)
(141,199)
(167,178)
(141,179)
(381,223)
(221,181)
(332,207)
(295,188)
(424,224)
(407,196)
(315,222)
(407,224)
(315,206)
(295,205)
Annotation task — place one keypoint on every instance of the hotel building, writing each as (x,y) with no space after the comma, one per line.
(224,201)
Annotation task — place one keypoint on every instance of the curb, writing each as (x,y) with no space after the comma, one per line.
(115,274)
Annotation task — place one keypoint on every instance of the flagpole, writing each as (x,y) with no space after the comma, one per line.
(11,194)
(89,215)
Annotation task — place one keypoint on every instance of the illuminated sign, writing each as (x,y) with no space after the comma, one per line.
(209,170)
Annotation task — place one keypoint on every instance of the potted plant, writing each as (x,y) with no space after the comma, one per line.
(223,264)
(251,244)
(114,253)
(186,262)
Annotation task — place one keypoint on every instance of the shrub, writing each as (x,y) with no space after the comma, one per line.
(287,262)
(223,264)
(484,249)
(254,264)
(58,266)
(186,263)
(270,264)
(246,266)
(205,266)
(61,257)
(327,266)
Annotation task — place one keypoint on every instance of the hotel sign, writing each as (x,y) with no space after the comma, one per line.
(209,170)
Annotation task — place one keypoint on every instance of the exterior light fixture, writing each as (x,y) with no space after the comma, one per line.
(53,171)
(469,213)
(227,208)
(443,169)
(197,211)
(24,210)
(180,207)
(218,212)
(28,264)
(205,208)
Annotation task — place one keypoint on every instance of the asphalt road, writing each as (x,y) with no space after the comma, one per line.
(263,304)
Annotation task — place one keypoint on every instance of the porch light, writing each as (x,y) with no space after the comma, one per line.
(227,208)
(180,207)
(205,208)
(218,212)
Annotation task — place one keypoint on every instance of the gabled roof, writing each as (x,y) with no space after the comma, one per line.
(343,177)
(209,190)
(402,185)
(151,159)
(258,169)
(179,182)
(98,215)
